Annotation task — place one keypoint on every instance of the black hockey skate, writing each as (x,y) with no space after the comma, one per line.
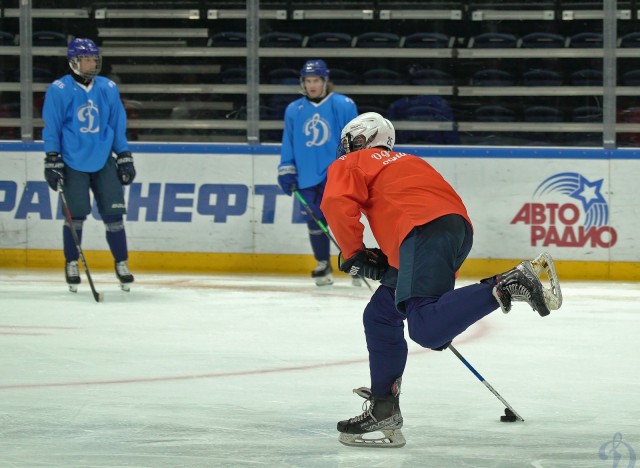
(380,414)
(523,284)
(322,273)
(124,275)
(72,275)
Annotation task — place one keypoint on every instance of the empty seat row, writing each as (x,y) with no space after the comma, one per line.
(549,114)
(376,40)
(421,40)
(545,77)
(434,77)
(39,38)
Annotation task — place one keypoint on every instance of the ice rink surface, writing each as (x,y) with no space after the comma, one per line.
(249,371)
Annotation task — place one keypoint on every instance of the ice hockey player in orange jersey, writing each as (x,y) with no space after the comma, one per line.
(424,234)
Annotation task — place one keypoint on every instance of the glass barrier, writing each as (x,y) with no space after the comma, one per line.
(469,72)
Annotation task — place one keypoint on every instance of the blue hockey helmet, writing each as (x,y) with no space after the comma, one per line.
(315,67)
(79,48)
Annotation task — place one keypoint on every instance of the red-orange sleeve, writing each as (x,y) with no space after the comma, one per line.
(345,193)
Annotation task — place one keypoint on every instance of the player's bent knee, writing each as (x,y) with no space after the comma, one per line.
(426,336)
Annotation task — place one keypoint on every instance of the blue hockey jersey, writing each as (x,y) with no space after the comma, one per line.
(312,133)
(84,124)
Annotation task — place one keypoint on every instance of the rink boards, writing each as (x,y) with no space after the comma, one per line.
(218,208)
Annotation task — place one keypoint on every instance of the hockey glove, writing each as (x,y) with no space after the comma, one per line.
(126,171)
(288,179)
(370,263)
(54,170)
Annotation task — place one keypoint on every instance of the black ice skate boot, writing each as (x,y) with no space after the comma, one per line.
(124,275)
(322,273)
(72,275)
(380,414)
(522,283)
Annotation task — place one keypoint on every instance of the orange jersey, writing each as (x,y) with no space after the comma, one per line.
(395,191)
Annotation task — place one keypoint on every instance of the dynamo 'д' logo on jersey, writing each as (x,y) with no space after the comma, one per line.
(568,210)
(88,115)
(317,129)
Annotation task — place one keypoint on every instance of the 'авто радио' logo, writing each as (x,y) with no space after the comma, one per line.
(576,216)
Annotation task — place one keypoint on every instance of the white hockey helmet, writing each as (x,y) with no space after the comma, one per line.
(368,130)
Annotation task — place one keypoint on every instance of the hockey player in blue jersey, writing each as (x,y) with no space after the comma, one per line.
(85,122)
(312,126)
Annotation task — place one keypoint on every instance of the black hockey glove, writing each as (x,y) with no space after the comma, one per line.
(370,263)
(126,171)
(54,170)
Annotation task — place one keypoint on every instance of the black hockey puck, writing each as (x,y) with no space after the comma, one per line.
(509,416)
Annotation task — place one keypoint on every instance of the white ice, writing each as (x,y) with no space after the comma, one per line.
(246,371)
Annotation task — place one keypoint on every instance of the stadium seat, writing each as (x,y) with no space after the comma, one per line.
(49,39)
(630,78)
(228,39)
(377,40)
(427,109)
(42,75)
(493,41)
(494,113)
(542,114)
(492,77)
(284,76)
(331,40)
(630,115)
(382,76)
(279,102)
(6,38)
(235,75)
(542,40)
(586,77)
(586,114)
(429,77)
(542,77)
(427,41)
(368,108)
(281,39)
(342,77)
(588,40)
(629,40)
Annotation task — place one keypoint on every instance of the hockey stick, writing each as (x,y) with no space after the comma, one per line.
(324,229)
(96,295)
(488,385)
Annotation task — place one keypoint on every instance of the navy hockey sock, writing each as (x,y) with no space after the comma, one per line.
(432,321)
(319,241)
(69,246)
(384,330)
(116,237)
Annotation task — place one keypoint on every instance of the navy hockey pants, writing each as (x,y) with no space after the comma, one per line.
(434,311)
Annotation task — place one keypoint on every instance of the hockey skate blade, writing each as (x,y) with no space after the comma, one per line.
(125,287)
(392,438)
(73,288)
(543,263)
(324,281)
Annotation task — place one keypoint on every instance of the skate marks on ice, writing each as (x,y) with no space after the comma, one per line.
(262,365)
